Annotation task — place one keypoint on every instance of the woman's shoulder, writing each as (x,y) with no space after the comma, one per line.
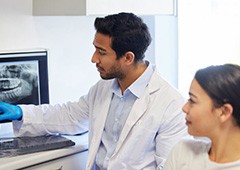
(194,144)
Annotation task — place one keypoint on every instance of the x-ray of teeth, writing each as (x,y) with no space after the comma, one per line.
(19,83)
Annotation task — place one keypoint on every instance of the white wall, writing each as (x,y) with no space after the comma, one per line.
(166,47)
(69,41)
(208,35)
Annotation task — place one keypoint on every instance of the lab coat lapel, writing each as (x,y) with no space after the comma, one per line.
(138,109)
(98,130)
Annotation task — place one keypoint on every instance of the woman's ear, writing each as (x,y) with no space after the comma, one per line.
(129,57)
(227,110)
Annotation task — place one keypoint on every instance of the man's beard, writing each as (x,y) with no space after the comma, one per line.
(115,72)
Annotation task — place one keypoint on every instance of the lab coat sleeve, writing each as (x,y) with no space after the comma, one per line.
(70,118)
(172,130)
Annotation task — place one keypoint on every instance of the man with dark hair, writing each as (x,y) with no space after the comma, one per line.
(133,116)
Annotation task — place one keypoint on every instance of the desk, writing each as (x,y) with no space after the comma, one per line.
(70,158)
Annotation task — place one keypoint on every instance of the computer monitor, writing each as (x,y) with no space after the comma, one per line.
(24,77)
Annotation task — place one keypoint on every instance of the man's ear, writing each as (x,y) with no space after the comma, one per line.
(227,110)
(129,57)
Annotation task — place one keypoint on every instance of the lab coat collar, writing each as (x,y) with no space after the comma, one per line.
(137,87)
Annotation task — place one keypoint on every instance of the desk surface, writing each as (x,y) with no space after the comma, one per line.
(22,161)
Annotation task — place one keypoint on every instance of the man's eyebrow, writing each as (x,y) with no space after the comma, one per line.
(99,48)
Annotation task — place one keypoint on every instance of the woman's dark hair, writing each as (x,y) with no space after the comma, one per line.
(128,33)
(222,84)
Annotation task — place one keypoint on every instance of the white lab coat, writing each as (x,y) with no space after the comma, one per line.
(154,125)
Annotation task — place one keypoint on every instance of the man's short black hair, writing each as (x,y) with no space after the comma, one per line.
(128,33)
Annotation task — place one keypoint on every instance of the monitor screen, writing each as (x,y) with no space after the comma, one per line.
(24,77)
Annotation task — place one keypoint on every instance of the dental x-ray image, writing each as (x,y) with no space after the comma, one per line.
(19,82)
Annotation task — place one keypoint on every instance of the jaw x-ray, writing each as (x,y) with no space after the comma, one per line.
(19,83)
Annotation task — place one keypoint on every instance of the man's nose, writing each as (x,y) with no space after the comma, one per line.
(95,58)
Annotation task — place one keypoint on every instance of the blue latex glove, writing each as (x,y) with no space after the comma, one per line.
(9,112)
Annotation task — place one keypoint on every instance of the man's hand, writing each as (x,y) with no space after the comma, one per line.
(9,112)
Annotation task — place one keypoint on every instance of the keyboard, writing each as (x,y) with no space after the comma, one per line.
(24,145)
